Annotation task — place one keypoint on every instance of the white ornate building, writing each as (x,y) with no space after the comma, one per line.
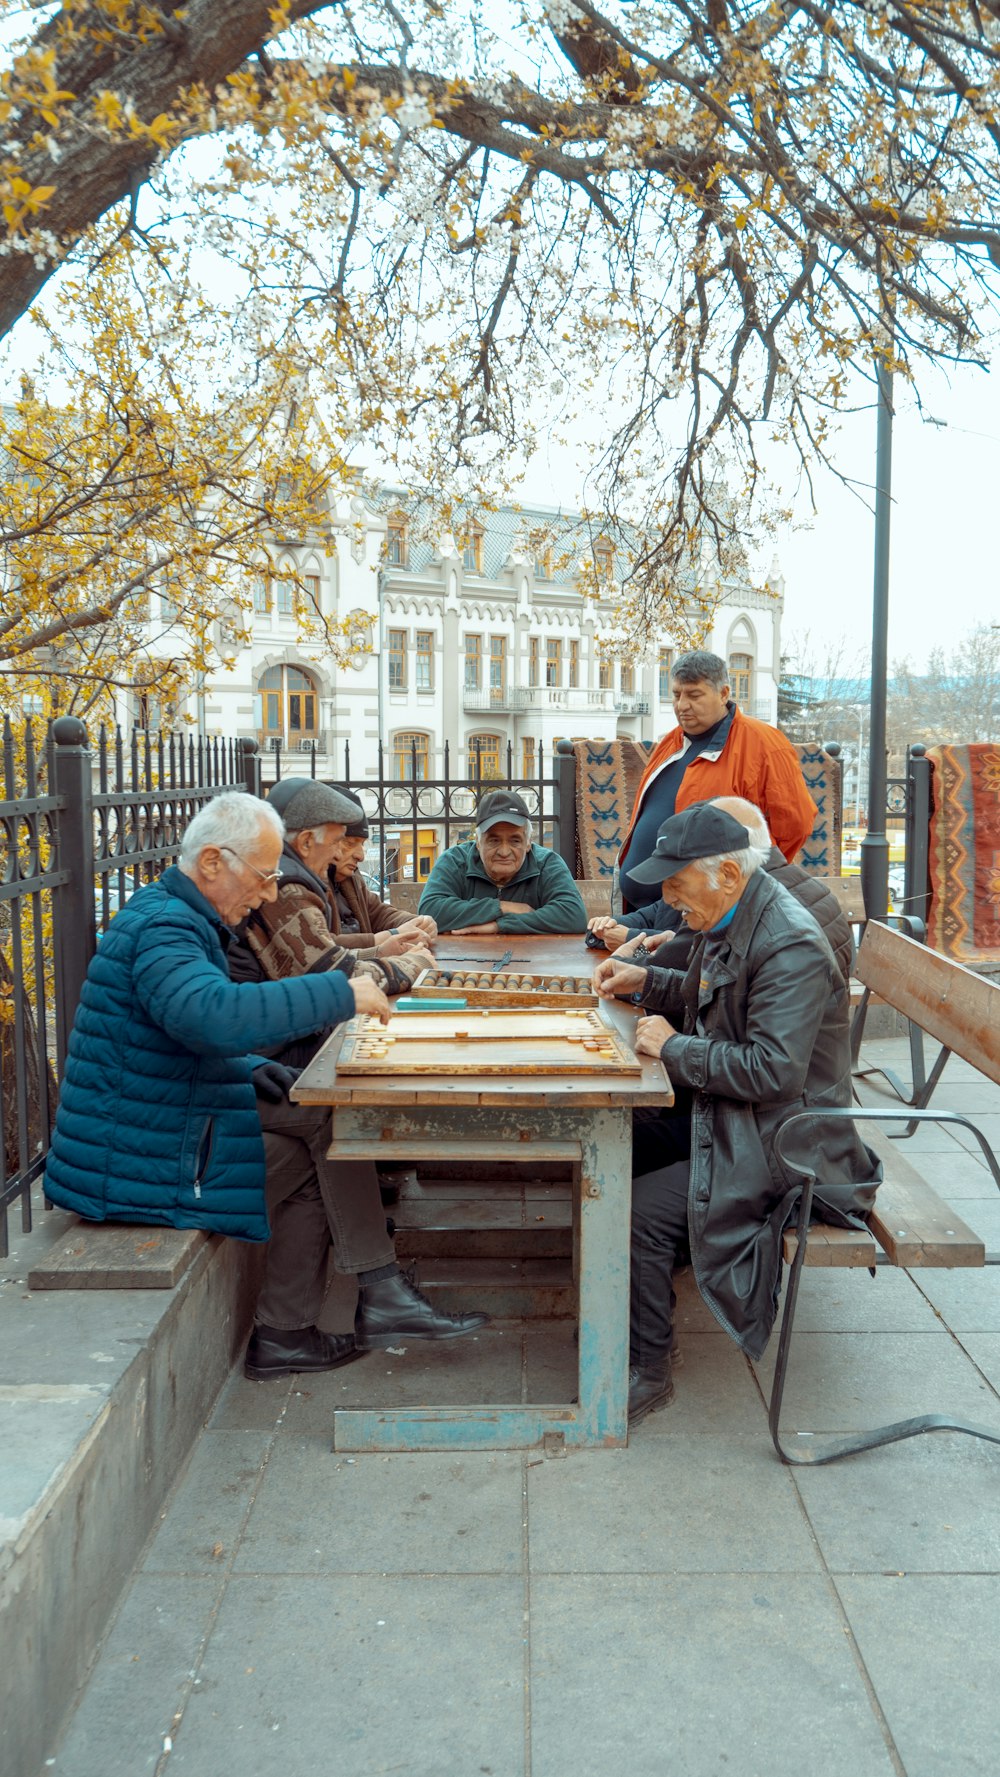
(482,643)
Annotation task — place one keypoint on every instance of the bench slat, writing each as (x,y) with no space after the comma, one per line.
(956,1007)
(917,1229)
(840,1247)
(116,1256)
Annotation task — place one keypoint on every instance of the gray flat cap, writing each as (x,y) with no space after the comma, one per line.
(306,802)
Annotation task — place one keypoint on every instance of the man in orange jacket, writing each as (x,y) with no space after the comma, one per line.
(717,751)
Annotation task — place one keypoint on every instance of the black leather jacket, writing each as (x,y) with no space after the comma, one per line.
(762,1030)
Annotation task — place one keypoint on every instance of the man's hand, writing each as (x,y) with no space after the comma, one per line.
(651,1034)
(617,980)
(369,999)
(273,1081)
(653,940)
(417,931)
(610,932)
(515,907)
(400,972)
(489,930)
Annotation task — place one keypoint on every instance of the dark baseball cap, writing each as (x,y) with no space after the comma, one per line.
(502,805)
(698,832)
(359,827)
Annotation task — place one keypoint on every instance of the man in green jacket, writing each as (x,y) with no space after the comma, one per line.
(500,881)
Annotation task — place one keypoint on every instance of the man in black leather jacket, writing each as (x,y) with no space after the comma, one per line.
(756,1029)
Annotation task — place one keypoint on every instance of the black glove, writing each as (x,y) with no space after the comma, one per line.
(273,1081)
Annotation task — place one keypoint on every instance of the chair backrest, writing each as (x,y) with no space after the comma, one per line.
(595,893)
(847,891)
(405,895)
(956,1007)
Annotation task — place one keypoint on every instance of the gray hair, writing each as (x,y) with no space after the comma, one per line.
(692,668)
(234,818)
(526,828)
(748,815)
(750,859)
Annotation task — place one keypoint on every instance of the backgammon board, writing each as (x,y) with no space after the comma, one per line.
(481,1040)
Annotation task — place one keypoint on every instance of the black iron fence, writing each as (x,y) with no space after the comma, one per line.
(80,830)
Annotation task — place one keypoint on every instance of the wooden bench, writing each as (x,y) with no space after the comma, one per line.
(911,1226)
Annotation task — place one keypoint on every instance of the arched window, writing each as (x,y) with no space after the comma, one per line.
(410,754)
(484,755)
(740,677)
(289,706)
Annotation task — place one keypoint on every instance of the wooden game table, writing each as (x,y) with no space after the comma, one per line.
(584,1120)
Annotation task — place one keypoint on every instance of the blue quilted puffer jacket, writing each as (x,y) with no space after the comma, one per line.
(157,1117)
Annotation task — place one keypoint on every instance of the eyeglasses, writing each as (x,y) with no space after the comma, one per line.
(265,875)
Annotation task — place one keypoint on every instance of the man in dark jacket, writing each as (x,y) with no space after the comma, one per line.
(291,935)
(755,1030)
(360,919)
(500,882)
(157,1118)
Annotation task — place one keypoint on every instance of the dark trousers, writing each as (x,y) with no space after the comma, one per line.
(313,1204)
(659,1241)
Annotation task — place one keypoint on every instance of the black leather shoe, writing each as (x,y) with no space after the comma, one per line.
(394,1309)
(649,1388)
(274,1352)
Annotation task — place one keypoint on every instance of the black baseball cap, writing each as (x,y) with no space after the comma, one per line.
(698,832)
(359,827)
(502,805)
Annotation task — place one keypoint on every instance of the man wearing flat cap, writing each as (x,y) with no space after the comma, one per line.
(500,881)
(292,935)
(754,1030)
(360,919)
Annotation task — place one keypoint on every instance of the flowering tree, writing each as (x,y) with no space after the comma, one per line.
(472,222)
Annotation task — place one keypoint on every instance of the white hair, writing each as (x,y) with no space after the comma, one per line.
(525,827)
(750,858)
(234,818)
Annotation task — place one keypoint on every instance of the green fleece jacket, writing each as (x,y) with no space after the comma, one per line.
(459,893)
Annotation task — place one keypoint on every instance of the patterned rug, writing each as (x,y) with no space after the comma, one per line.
(607,779)
(964,917)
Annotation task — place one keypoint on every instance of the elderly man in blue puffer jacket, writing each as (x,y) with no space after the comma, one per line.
(157,1117)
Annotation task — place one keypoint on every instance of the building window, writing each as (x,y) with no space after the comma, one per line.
(553,662)
(472,549)
(311,584)
(498,668)
(289,706)
(543,561)
(740,670)
(473,663)
(666,667)
(397,660)
(261,595)
(410,754)
(528,764)
(286,598)
(628,679)
(532,660)
(397,544)
(604,557)
(605,673)
(425,660)
(484,755)
(574,665)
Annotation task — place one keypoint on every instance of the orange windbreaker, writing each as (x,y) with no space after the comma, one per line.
(757,762)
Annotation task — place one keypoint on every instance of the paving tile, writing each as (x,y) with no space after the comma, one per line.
(930,1647)
(716,1392)
(960,1177)
(926,1505)
(696,1675)
(968,1301)
(667,1504)
(317,1512)
(847,1381)
(139,1681)
(854,1302)
(982,1215)
(250,1406)
(485,1366)
(984,1350)
(418,1676)
(202,1521)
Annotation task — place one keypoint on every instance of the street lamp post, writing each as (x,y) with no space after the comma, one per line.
(875,844)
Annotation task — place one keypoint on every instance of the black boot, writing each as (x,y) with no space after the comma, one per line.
(393,1309)
(650,1386)
(274,1352)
